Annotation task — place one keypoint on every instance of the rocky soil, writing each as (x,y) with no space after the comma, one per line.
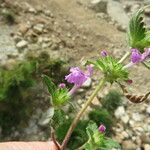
(75,31)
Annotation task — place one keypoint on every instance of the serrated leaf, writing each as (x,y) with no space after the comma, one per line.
(138,36)
(136,31)
(50,85)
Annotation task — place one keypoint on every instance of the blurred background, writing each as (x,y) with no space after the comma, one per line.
(47,37)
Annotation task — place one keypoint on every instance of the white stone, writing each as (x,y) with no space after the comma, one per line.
(38,28)
(125,118)
(87,83)
(148,109)
(119,112)
(22,44)
(132,123)
(137,117)
(46,117)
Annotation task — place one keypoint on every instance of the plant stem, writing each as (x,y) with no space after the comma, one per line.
(124,57)
(75,121)
(146,65)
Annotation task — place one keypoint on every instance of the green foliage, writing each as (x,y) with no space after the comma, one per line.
(16,88)
(97,140)
(138,36)
(102,116)
(111,101)
(18,78)
(113,71)
(62,124)
(59,96)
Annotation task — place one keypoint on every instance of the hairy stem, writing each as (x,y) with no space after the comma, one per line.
(124,57)
(75,121)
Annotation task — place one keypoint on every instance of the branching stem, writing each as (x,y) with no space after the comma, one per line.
(75,121)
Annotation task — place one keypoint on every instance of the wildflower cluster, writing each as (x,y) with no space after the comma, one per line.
(113,71)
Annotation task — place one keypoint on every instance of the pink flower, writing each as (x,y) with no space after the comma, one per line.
(104,53)
(102,128)
(78,77)
(137,57)
(62,85)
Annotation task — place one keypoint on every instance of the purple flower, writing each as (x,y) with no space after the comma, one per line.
(62,85)
(102,128)
(77,76)
(137,57)
(104,53)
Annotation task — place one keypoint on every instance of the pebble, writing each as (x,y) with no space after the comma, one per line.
(148,109)
(128,145)
(119,112)
(87,83)
(99,5)
(22,44)
(147,11)
(137,117)
(46,117)
(125,118)
(23,28)
(146,147)
(38,28)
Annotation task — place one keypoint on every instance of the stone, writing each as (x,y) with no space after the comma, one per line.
(46,117)
(147,11)
(119,137)
(121,28)
(116,12)
(146,146)
(148,109)
(22,44)
(79,101)
(128,145)
(125,134)
(137,117)
(99,5)
(96,102)
(125,118)
(87,83)
(23,28)
(38,28)
(132,123)
(32,10)
(119,112)
(17,38)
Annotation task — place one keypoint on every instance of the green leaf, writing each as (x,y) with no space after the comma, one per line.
(96,138)
(137,35)
(109,144)
(50,85)
(113,71)
(60,96)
